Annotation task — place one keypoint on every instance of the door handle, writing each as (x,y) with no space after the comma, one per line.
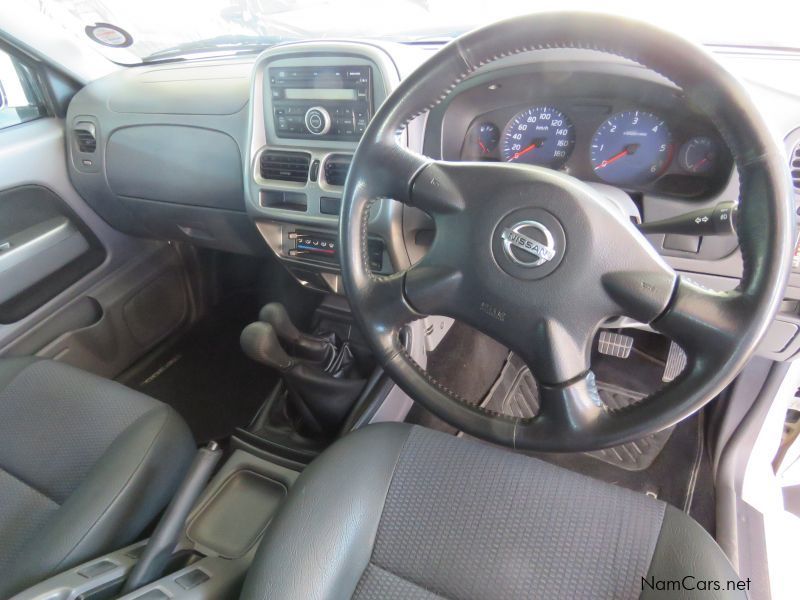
(36,253)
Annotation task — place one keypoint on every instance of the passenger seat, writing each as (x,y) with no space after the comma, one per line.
(85,465)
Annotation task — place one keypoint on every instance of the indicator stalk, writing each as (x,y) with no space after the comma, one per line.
(717,220)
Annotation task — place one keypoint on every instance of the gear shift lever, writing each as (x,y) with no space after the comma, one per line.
(321,400)
(260,342)
(302,345)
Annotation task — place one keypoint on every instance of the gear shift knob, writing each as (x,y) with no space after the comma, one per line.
(276,315)
(260,342)
(306,346)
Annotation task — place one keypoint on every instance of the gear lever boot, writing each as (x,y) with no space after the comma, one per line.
(321,400)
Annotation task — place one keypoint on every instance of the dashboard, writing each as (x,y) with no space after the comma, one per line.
(250,154)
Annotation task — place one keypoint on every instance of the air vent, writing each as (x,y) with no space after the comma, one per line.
(86,137)
(336,168)
(794,165)
(285,166)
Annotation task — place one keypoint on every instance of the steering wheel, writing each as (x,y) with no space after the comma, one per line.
(544,287)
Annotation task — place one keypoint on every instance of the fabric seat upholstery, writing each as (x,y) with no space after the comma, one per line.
(85,465)
(395,511)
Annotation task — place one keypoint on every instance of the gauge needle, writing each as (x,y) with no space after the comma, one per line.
(629,149)
(536,144)
(700,163)
(484,148)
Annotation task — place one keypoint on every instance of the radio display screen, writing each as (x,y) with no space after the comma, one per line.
(320,94)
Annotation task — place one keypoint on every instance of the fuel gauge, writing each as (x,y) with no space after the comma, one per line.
(698,155)
(488,137)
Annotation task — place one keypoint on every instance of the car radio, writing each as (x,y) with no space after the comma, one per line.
(333,103)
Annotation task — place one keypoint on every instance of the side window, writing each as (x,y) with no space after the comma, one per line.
(20,97)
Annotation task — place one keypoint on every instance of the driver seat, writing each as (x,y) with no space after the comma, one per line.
(395,511)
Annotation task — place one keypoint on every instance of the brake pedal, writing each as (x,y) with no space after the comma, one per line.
(614,344)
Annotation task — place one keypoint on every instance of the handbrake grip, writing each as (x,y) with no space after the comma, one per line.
(165,538)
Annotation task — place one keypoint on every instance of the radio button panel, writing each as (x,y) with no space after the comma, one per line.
(325,102)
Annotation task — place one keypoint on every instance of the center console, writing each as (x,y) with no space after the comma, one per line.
(311,103)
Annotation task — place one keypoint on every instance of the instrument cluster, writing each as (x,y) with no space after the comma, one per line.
(636,148)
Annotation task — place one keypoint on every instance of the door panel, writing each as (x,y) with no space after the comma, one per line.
(44,249)
(90,303)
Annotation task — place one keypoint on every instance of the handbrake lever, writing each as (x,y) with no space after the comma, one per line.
(162,543)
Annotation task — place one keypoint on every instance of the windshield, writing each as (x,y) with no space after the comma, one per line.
(162,29)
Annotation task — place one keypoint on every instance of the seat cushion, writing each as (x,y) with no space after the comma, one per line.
(395,511)
(85,466)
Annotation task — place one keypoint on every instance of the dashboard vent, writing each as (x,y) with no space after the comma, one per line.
(794,165)
(285,166)
(86,137)
(336,168)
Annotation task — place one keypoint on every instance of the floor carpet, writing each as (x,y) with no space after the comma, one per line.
(205,376)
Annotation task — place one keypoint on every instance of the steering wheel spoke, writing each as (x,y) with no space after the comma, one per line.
(554,353)
(388,306)
(701,321)
(438,189)
(393,169)
(433,289)
(570,409)
(569,404)
(431,185)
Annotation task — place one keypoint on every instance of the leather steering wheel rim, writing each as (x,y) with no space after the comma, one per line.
(464,275)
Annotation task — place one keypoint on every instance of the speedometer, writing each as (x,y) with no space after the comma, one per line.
(631,147)
(539,136)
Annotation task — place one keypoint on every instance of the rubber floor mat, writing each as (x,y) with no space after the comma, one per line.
(515,393)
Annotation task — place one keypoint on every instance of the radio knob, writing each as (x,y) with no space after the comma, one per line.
(318,120)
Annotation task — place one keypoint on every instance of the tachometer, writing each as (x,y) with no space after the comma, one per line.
(539,136)
(631,147)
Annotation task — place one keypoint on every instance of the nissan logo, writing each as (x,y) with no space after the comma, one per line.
(525,250)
